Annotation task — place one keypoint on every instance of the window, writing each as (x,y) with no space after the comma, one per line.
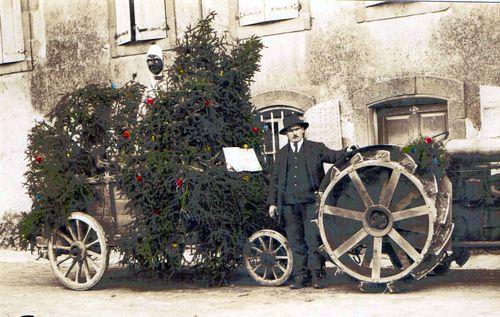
(402,121)
(11,36)
(135,24)
(272,119)
(269,17)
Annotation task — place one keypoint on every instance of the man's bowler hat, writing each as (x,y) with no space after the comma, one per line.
(291,120)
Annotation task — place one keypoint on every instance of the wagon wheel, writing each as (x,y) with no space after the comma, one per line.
(376,219)
(78,252)
(268,258)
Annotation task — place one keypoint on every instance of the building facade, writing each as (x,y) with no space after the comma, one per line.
(363,72)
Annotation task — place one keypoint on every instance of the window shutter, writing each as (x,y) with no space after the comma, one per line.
(123,24)
(251,12)
(150,19)
(11,24)
(281,9)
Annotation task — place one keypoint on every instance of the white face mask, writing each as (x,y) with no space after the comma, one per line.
(154,59)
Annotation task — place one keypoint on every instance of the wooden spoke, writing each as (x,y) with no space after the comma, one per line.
(257,267)
(406,200)
(367,259)
(265,273)
(279,247)
(413,227)
(360,187)
(60,233)
(257,249)
(78,230)
(263,244)
(281,267)
(94,265)
(344,213)
(60,247)
(405,245)
(92,243)
(270,243)
(391,187)
(71,232)
(86,270)
(78,271)
(281,257)
(384,179)
(86,234)
(401,255)
(70,268)
(94,253)
(410,213)
(274,273)
(63,260)
(377,256)
(350,243)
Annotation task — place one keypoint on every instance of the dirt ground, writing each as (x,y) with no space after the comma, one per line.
(28,287)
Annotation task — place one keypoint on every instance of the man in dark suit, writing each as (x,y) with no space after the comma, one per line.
(296,176)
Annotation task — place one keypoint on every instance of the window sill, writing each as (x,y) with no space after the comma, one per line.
(16,67)
(303,22)
(393,10)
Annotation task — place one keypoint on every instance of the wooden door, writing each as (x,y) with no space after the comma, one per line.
(399,125)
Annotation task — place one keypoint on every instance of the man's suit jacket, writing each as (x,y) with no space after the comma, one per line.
(315,154)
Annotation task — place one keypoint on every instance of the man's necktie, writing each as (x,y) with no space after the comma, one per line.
(296,150)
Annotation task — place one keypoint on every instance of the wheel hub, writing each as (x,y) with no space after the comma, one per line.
(77,250)
(377,220)
(267,259)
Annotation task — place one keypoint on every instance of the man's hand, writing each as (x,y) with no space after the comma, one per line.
(273,211)
(351,148)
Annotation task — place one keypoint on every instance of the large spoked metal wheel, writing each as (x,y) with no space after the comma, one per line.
(268,258)
(377,219)
(78,252)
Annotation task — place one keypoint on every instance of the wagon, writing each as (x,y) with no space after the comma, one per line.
(79,251)
(383,223)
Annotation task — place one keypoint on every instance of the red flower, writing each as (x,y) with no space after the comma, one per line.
(38,159)
(138,178)
(208,103)
(428,140)
(179,182)
(150,101)
(255,130)
(156,212)
(126,134)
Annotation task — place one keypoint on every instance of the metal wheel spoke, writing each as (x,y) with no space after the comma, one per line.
(401,255)
(391,187)
(263,244)
(78,271)
(78,230)
(377,256)
(60,247)
(405,201)
(63,260)
(360,187)
(71,232)
(92,243)
(281,267)
(410,213)
(350,243)
(65,237)
(344,213)
(86,270)
(405,245)
(70,268)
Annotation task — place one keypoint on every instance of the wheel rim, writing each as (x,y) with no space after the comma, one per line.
(376,235)
(268,258)
(78,252)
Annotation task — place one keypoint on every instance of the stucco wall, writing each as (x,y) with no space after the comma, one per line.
(346,49)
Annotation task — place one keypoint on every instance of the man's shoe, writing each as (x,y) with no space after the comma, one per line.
(298,283)
(317,282)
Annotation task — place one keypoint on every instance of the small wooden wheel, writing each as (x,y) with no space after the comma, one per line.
(78,252)
(268,258)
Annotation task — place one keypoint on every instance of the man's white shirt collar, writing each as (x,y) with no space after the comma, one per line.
(299,145)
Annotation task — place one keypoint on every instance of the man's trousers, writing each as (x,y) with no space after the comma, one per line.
(303,237)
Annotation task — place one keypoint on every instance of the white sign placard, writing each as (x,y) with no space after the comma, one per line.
(240,160)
